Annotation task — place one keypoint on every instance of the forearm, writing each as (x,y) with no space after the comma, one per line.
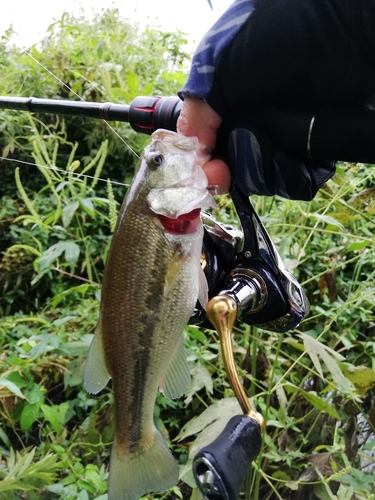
(289,53)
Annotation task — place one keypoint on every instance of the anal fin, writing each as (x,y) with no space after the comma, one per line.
(177,379)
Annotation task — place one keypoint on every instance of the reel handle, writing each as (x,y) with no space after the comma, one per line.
(219,469)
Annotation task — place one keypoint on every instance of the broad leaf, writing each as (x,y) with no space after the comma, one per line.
(88,206)
(46,342)
(69,248)
(328,219)
(29,415)
(11,387)
(200,378)
(358,245)
(68,213)
(55,415)
(316,350)
(318,403)
(363,378)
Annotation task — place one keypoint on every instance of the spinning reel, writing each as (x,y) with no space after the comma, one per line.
(248,283)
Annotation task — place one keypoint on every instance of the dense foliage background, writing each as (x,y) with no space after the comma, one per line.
(313,385)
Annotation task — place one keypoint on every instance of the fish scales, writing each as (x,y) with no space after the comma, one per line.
(151,322)
(150,287)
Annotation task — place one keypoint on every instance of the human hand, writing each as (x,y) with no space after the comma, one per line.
(198,119)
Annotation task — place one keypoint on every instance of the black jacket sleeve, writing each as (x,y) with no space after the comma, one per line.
(298,53)
(300,76)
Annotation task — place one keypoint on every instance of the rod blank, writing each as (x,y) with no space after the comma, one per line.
(106,111)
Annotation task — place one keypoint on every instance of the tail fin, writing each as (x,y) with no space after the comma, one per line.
(133,475)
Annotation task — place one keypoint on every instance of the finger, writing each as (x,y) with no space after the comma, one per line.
(198,119)
(218,176)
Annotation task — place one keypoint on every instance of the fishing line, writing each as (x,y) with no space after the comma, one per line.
(114,131)
(25,51)
(76,177)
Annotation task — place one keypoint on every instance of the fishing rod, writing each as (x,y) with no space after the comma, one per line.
(329,133)
(144,114)
(247,280)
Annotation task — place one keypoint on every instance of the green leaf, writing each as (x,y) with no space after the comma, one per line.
(83,495)
(16,378)
(316,350)
(222,412)
(132,82)
(345,493)
(29,415)
(358,245)
(94,478)
(74,374)
(11,387)
(70,249)
(200,378)
(55,415)
(316,401)
(62,321)
(323,492)
(82,289)
(68,213)
(55,488)
(328,219)
(362,377)
(88,206)
(148,88)
(78,468)
(72,253)
(283,402)
(46,342)
(5,438)
(293,485)
(74,348)
(51,414)
(100,48)
(119,94)
(34,394)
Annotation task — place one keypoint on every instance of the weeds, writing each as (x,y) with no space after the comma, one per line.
(315,385)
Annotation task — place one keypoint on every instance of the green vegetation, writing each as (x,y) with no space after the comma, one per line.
(315,386)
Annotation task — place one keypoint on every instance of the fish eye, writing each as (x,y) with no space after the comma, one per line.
(155,160)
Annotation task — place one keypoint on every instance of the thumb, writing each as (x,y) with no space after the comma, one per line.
(198,119)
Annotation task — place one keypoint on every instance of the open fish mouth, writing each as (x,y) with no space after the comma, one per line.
(178,209)
(184,224)
(177,184)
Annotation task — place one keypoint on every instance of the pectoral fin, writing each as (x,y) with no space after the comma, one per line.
(177,379)
(203,288)
(174,268)
(96,374)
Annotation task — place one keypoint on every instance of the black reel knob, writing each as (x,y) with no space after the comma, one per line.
(220,468)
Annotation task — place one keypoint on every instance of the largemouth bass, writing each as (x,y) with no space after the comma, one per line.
(151,284)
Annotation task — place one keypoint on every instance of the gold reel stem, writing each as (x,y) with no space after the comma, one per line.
(222,312)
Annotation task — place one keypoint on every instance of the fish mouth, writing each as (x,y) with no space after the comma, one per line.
(186,223)
(175,202)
